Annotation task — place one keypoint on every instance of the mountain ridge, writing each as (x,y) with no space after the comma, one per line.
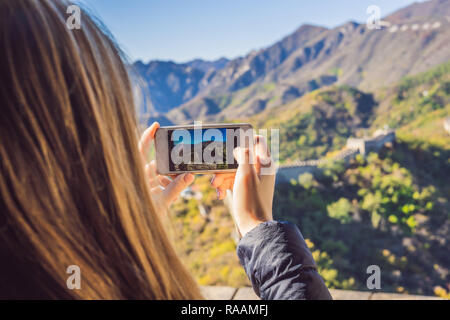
(313,57)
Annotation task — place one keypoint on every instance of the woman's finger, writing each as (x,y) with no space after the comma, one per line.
(150,174)
(155,179)
(150,170)
(219,178)
(266,173)
(246,176)
(174,188)
(157,191)
(147,138)
(225,183)
(243,157)
(164,181)
(262,155)
(222,189)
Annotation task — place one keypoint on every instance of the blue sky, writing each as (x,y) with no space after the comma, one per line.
(181,30)
(197,138)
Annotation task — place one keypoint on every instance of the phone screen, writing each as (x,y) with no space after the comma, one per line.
(205,149)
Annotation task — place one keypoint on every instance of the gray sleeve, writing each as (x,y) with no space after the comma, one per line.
(279,263)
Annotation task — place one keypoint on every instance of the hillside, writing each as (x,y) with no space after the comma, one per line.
(418,38)
(318,122)
(390,209)
(417,106)
(321,121)
(376,211)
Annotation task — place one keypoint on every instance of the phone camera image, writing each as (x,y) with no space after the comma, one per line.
(206,149)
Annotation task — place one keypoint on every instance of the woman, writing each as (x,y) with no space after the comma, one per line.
(73,188)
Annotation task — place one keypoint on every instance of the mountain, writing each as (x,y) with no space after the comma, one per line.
(163,85)
(205,66)
(169,84)
(242,75)
(411,41)
(421,11)
(321,121)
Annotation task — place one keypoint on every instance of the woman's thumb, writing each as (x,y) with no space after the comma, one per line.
(243,157)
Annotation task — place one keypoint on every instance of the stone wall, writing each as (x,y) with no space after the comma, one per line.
(287,172)
(375,143)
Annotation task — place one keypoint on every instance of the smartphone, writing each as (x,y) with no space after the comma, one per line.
(205,148)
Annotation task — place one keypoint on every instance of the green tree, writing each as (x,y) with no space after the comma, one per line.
(340,210)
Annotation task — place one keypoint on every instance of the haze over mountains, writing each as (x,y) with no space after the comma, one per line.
(412,40)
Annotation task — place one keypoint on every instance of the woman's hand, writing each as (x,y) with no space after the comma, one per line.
(252,191)
(162,188)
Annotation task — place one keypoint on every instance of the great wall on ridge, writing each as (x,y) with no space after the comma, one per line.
(287,172)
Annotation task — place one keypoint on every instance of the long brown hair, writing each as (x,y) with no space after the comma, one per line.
(72,185)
